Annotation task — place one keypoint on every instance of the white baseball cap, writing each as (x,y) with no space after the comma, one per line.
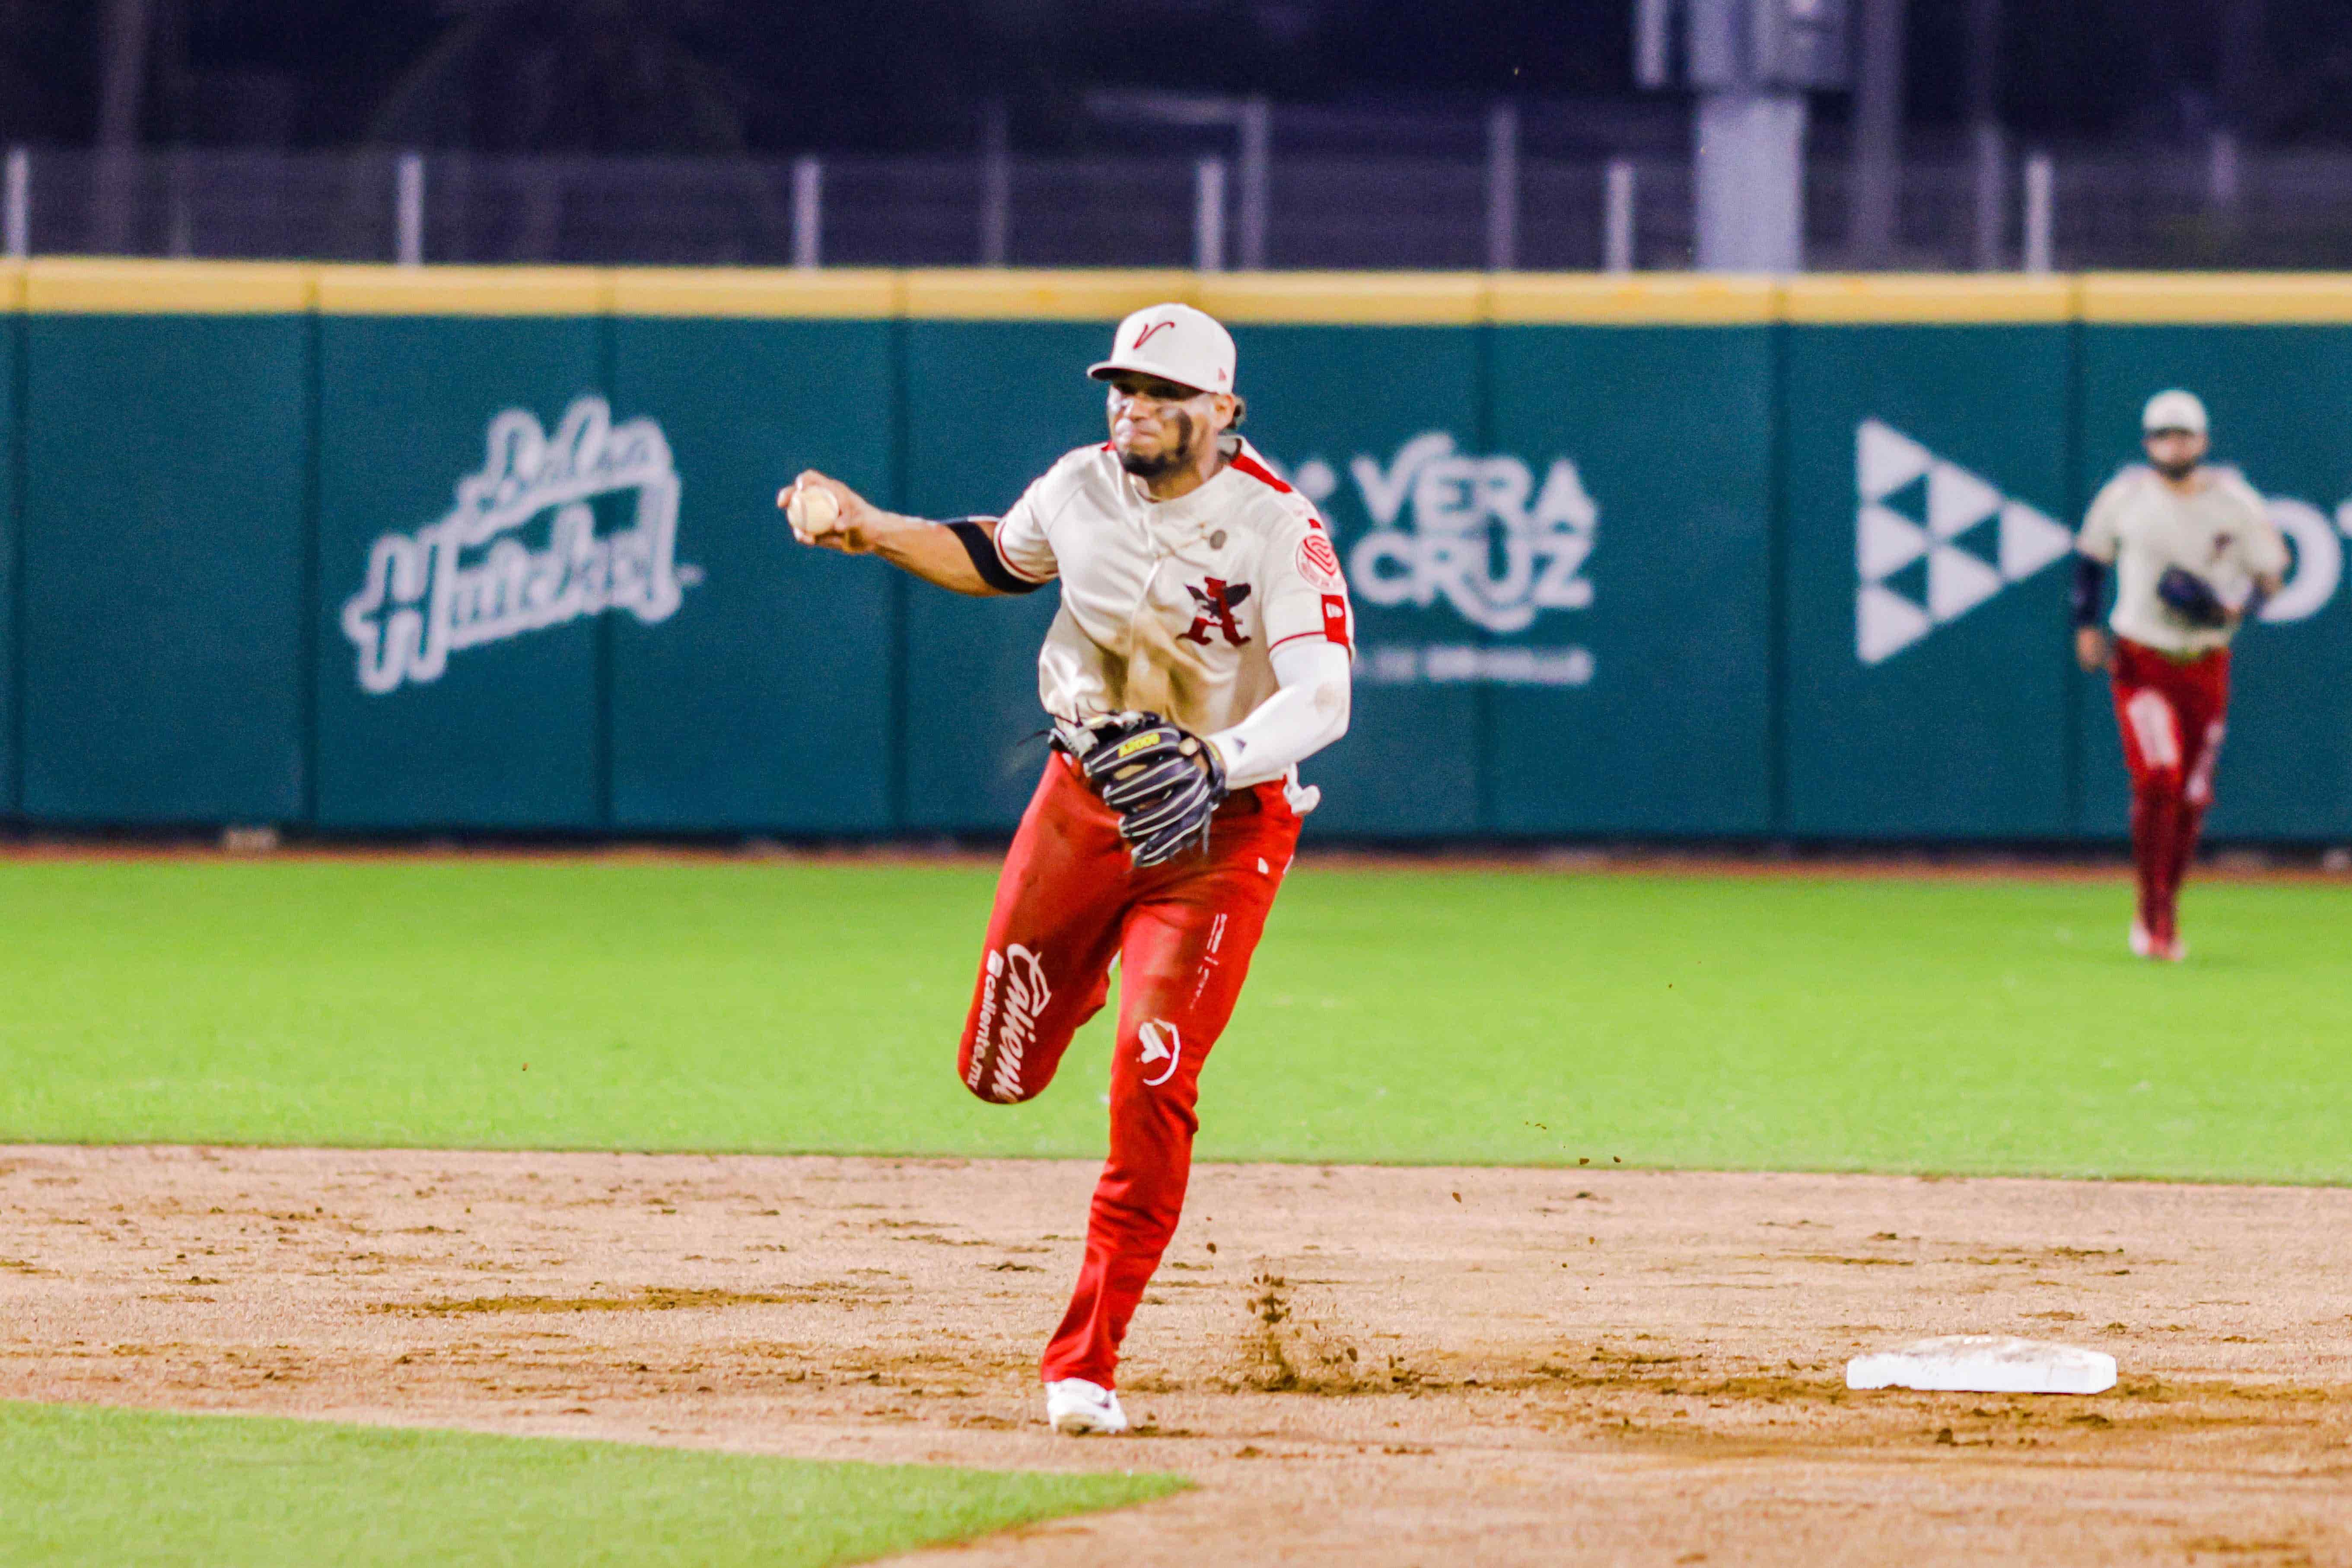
(2173,410)
(1174,342)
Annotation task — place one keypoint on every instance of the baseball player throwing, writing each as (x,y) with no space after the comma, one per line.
(2195,554)
(1200,653)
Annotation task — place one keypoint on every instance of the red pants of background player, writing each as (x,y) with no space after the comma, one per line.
(1068,902)
(2171,712)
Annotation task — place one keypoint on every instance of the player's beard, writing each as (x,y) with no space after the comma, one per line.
(2176,472)
(1171,458)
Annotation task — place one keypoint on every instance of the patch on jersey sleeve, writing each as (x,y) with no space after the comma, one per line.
(1334,621)
(1319,563)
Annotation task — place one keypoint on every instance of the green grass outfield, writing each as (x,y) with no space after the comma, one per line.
(85,1484)
(1952,1026)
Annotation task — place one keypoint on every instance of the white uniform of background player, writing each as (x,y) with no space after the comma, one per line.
(2194,553)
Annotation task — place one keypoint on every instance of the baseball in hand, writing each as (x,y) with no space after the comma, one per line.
(812,509)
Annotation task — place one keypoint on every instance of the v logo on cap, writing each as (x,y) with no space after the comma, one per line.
(1175,342)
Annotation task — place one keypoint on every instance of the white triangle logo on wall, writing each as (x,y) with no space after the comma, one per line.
(1915,505)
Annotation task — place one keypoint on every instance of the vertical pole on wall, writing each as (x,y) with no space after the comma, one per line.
(1751,63)
(1617,217)
(1985,137)
(1749,162)
(1257,156)
(2041,215)
(1992,197)
(808,210)
(1209,214)
(16,207)
(456,173)
(2221,183)
(122,97)
(1875,172)
(1502,188)
(1653,43)
(2222,187)
(995,185)
(180,224)
(408,209)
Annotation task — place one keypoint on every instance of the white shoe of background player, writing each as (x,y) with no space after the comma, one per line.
(2144,945)
(1076,1409)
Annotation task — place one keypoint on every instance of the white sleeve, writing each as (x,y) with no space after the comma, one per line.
(1021,542)
(2260,549)
(2100,537)
(1308,712)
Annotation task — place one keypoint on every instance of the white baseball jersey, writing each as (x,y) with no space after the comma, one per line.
(2139,526)
(1172,607)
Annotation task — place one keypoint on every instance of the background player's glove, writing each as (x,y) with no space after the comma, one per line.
(1164,782)
(2191,597)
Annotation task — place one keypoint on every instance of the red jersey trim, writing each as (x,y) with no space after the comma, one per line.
(1259,472)
(1337,623)
(998,545)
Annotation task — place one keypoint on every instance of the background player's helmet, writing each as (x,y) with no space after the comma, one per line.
(1174,342)
(2173,410)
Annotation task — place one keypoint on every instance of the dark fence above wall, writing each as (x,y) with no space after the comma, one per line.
(1345,193)
(383,550)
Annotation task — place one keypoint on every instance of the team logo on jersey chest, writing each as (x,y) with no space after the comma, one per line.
(1213,604)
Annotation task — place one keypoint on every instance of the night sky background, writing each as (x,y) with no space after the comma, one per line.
(758,76)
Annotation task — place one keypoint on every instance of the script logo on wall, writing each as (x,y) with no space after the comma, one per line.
(1476,535)
(471,578)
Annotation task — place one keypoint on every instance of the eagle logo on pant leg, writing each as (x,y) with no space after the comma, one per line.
(1161,1042)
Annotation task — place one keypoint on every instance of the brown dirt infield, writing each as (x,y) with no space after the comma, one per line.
(1357,1365)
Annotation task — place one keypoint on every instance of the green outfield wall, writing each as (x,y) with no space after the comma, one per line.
(374,549)
(12,451)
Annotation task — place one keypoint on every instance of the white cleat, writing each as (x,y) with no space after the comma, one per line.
(1076,1409)
(2144,945)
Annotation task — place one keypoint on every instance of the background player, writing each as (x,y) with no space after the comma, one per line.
(2195,554)
(1200,652)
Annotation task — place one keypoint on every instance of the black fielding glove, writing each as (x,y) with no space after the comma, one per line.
(1163,781)
(2191,597)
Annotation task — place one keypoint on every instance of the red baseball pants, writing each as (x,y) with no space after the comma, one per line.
(1068,901)
(2171,713)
